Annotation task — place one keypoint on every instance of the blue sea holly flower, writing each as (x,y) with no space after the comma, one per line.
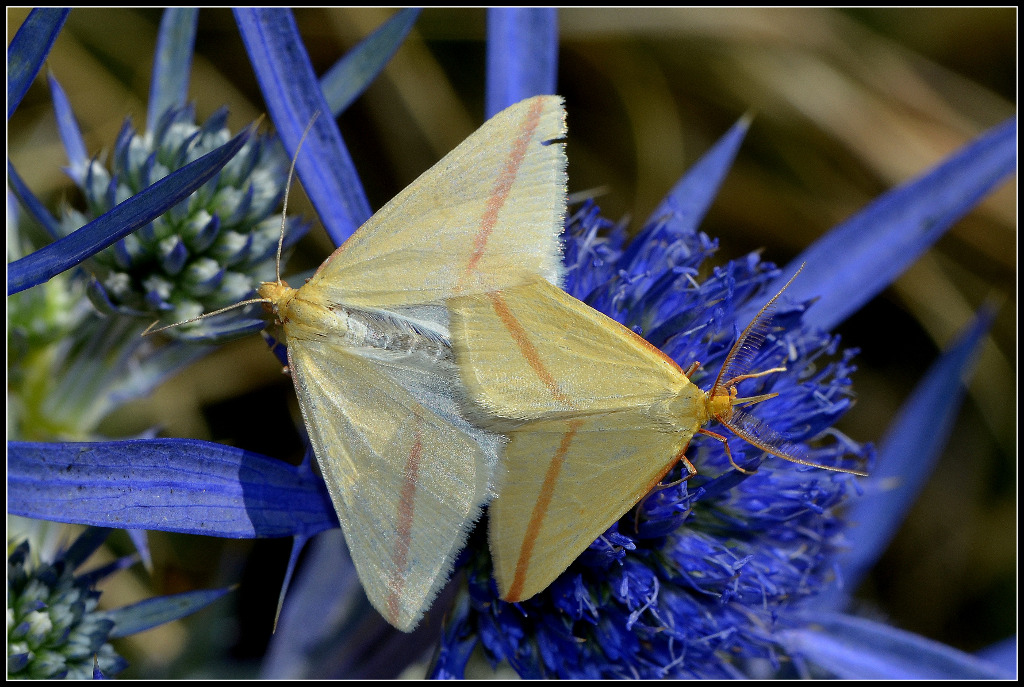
(691,582)
(723,575)
(201,251)
(207,253)
(54,627)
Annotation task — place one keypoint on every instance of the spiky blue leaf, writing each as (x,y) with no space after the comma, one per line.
(857,259)
(684,207)
(522,54)
(174,485)
(29,201)
(293,98)
(70,133)
(349,77)
(28,50)
(172,63)
(150,613)
(909,451)
(855,648)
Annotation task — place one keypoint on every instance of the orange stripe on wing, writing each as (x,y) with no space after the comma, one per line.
(502,188)
(526,347)
(540,511)
(400,556)
(540,508)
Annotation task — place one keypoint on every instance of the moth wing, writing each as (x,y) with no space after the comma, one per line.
(534,352)
(406,475)
(567,481)
(488,215)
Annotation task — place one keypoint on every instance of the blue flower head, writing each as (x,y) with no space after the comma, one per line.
(208,252)
(54,627)
(53,630)
(691,582)
(205,247)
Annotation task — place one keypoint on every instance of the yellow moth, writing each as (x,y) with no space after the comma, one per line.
(595,415)
(369,353)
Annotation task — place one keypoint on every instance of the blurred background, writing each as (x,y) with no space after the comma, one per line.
(847,105)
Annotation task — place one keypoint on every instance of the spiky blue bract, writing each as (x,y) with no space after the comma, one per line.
(294,98)
(174,485)
(28,50)
(522,55)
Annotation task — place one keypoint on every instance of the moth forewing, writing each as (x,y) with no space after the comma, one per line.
(487,216)
(596,417)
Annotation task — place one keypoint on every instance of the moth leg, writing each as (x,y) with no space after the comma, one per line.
(725,443)
(690,472)
(692,368)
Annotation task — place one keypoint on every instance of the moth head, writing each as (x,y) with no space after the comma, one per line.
(724,402)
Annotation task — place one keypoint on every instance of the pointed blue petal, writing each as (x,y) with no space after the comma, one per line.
(522,54)
(298,543)
(172,64)
(29,48)
(85,545)
(860,649)
(70,134)
(293,98)
(853,262)
(349,77)
(141,538)
(351,640)
(1003,654)
(97,575)
(174,485)
(150,613)
(29,201)
(684,207)
(327,587)
(908,452)
(122,220)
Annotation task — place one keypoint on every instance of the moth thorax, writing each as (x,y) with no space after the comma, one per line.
(720,402)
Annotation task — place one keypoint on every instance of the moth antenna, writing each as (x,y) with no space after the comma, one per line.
(288,190)
(739,422)
(750,340)
(149,330)
(758,434)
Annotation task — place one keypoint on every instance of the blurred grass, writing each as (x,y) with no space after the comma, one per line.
(848,104)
